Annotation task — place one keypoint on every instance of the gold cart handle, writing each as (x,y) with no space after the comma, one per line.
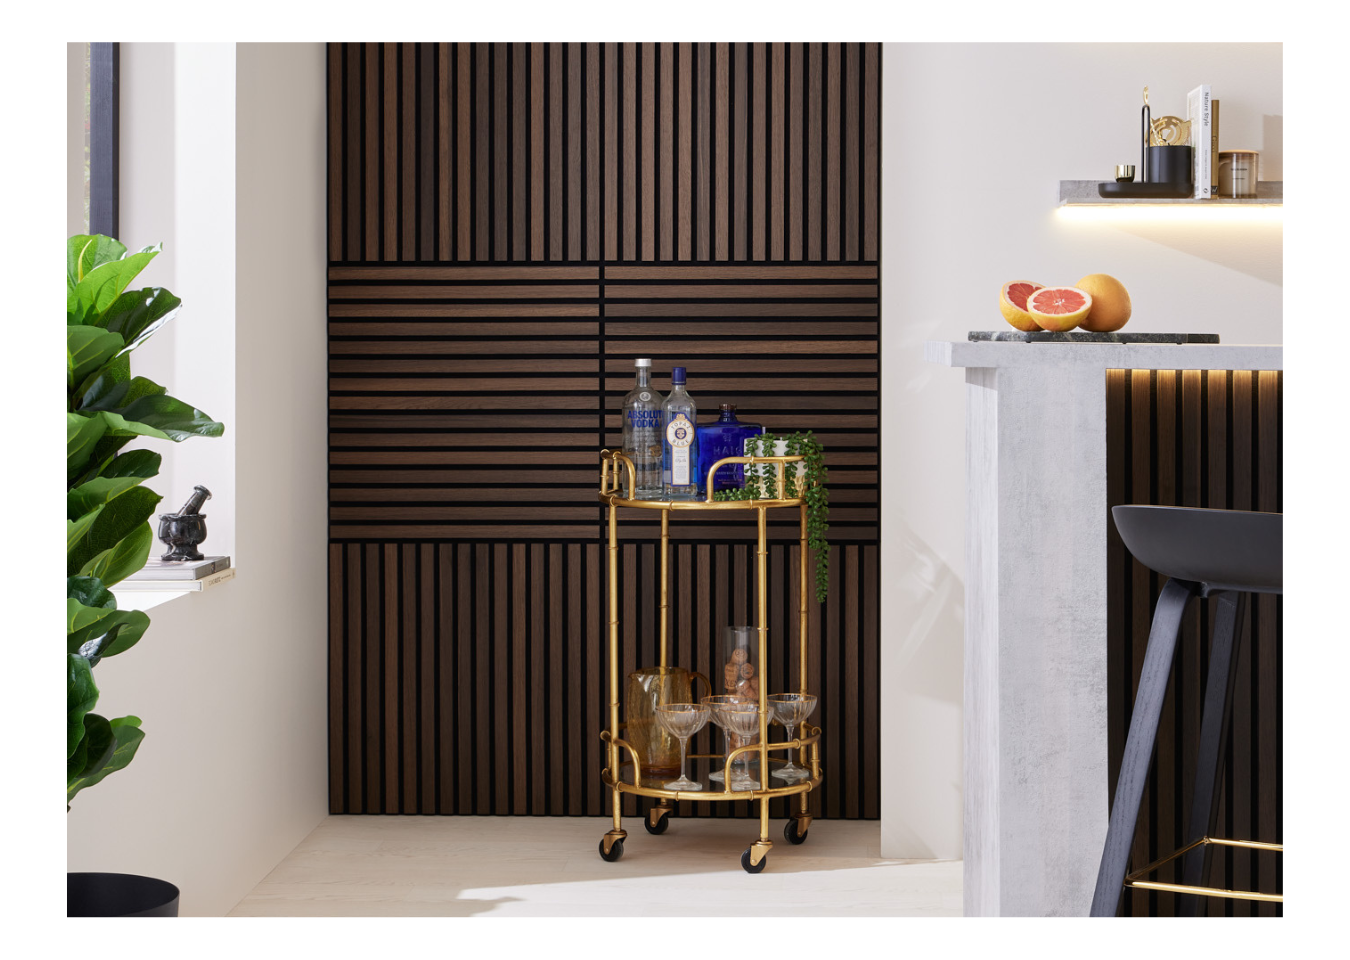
(613,482)
(780,463)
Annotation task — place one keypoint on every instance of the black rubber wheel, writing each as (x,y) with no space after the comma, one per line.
(615,851)
(660,827)
(791,835)
(753,868)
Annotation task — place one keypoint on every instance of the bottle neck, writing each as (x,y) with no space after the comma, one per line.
(727,416)
(644,377)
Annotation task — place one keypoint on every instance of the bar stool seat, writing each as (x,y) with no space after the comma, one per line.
(1226,554)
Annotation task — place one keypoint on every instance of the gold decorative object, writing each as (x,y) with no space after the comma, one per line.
(625,767)
(1137,880)
(1169,132)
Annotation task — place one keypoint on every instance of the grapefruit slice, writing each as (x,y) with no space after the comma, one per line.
(1012,301)
(1059,308)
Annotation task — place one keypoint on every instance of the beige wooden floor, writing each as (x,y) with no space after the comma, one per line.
(534,866)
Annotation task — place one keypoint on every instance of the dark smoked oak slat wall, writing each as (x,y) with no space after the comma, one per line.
(511,225)
(1200,439)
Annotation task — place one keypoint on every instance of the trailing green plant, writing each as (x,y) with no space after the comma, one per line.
(108,533)
(808,483)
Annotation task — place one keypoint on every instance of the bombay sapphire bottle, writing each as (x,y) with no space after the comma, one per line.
(725,438)
(679,449)
(642,435)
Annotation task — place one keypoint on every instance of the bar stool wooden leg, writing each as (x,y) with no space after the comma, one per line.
(1162,641)
(1223,650)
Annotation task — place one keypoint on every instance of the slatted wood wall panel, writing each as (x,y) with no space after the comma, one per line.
(1202,439)
(511,225)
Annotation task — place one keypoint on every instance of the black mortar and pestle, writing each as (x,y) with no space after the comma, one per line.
(181,532)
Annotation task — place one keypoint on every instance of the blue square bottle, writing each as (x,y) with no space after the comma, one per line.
(725,438)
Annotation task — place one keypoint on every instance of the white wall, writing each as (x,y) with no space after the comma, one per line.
(976,138)
(75,222)
(230,684)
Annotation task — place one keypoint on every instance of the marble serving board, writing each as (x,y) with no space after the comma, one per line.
(1082,336)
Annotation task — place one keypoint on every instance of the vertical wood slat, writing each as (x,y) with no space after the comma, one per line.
(833,148)
(852,83)
(777,151)
(520,152)
(721,110)
(576,213)
(665,187)
(337,221)
(591,126)
(373,157)
(628,175)
(337,670)
(1213,438)
(612,162)
(757,184)
(444,183)
(464,150)
(390,168)
(647,122)
(353,164)
(741,186)
(684,230)
(871,154)
(408,152)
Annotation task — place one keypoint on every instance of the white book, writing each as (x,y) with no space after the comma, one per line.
(1198,112)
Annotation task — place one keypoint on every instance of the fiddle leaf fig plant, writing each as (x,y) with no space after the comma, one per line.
(108,533)
(807,482)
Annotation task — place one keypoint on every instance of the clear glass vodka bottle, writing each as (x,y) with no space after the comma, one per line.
(642,435)
(679,448)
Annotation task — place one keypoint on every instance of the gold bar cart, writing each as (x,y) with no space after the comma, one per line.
(755,857)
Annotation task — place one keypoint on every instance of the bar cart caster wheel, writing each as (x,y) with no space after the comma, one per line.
(662,822)
(791,835)
(615,851)
(753,867)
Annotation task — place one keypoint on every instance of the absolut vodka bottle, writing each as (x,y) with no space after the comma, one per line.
(642,435)
(679,449)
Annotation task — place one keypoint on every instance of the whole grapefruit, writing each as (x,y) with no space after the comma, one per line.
(1012,301)
(1110,303)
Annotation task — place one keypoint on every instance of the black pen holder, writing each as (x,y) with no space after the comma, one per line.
(1172,165)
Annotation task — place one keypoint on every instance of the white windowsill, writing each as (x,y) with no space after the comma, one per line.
(144,594)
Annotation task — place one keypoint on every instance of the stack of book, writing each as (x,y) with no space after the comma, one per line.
(157,569)
(1203,113)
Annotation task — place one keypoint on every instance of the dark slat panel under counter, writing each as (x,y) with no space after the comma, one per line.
(1203,439)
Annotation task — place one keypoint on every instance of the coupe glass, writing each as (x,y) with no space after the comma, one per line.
(682,721)
(733,741)
(740,718)
(790,709)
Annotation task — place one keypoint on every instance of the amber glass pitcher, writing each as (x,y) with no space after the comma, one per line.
(648,688)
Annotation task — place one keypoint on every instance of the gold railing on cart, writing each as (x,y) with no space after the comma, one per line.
(614,467)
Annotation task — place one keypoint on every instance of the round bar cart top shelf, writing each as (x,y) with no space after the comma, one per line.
(614,468)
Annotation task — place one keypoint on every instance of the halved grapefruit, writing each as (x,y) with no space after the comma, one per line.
(1059,308)
(1012,300)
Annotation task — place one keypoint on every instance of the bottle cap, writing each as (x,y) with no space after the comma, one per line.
(677,375)
(642,363)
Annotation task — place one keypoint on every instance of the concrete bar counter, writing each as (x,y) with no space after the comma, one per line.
(1035,686)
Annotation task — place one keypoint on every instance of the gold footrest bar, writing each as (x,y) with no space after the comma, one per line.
(1134,879)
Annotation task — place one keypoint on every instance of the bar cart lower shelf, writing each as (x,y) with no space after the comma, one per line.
(623,770)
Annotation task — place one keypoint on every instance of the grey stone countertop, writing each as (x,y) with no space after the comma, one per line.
(1138,356)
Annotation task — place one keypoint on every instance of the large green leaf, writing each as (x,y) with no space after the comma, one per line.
(82,437)
(87,349)
(137,314)
(84,253)
(87,496)
(134,463)
(94,750)
(103,380)
(117,519)
(87,602)
(173,416)
(126,427)
(127,736)
(123,559)
(78,530)
(116,633)
(81,695)
(101,286)
(118,396)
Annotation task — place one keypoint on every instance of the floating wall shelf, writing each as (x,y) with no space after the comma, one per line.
(1083,193)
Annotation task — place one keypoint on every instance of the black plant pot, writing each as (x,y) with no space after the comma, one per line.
(119,895)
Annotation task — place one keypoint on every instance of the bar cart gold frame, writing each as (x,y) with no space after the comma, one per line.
(755,857)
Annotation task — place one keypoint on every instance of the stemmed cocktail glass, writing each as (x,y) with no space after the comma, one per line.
(790,709)
(740,719)
(682,721)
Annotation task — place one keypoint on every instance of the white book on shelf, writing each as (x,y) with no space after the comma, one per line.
(1199,114)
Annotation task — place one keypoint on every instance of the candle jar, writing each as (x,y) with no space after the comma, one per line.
(1238,172)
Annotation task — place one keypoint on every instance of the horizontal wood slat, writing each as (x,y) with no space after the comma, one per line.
(1201,439)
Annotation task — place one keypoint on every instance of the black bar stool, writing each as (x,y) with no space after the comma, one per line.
(1227,554)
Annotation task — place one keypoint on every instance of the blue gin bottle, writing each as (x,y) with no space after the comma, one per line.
(725,438)
(679,446)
